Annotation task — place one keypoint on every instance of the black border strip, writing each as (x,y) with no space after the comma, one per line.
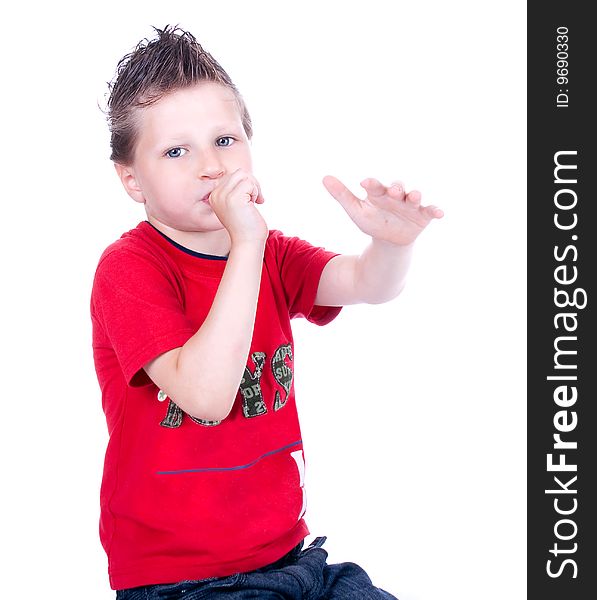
(562,259)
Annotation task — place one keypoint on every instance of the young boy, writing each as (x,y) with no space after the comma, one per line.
(202,492)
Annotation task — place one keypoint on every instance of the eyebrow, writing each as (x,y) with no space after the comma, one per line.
(215,130)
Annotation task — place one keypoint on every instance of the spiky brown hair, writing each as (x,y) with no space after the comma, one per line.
(155,68)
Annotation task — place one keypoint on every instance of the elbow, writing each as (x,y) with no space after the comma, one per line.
(383,296)
(207,408)
(210,408)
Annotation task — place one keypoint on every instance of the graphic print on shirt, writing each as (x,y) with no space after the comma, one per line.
(250,389)
(282,373)
(175,414)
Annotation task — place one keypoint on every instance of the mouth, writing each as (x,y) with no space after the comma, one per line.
(206,198)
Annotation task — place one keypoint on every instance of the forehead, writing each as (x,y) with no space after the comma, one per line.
(205,104)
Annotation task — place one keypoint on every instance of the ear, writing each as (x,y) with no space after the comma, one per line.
(130,183)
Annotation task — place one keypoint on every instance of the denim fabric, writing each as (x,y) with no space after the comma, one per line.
(300,575)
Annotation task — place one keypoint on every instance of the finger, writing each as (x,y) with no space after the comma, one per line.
(255,194)
(433,212)
(396,190)
(414,198)
(373,187)
(241,183)
(250,188)
(350,203)
(260,199)
(228,183)
(255,191)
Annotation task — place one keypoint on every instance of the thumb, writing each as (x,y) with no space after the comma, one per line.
(349,202)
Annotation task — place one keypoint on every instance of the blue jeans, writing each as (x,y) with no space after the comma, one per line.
(300,575)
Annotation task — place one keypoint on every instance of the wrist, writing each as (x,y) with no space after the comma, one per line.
(244,245)
(391,247)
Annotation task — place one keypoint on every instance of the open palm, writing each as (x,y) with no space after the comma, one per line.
(387,213)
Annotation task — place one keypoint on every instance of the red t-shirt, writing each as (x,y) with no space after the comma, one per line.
(181,498)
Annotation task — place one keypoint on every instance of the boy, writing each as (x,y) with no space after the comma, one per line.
(202,488)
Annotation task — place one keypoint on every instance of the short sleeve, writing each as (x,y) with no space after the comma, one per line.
(138,311)
(300,265)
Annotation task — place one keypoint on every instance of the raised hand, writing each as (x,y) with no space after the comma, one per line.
(387,213)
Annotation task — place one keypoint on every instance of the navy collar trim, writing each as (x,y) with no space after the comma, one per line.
(187,250)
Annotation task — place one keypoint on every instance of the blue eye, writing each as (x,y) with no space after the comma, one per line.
(175,152)
(225,141)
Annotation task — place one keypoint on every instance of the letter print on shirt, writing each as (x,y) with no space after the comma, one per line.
(250,388)
(175,414)
(282,373)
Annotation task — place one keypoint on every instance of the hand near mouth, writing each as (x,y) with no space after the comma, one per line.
(233,200)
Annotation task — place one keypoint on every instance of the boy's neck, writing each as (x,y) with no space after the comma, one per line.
(215,243)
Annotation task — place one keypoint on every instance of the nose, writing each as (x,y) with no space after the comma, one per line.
(210,165)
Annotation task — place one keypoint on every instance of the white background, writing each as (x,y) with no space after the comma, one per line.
(413,412)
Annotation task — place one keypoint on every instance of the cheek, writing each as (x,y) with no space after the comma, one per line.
(165,177)
(163,190)
(244,158)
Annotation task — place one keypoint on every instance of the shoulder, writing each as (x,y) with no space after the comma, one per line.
(137,247)
(295,250)
(283,245)
(133,241)
(134,262)
(274,246)
(274,237)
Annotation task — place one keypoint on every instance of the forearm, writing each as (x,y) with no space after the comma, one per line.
(380,271)
(205,373)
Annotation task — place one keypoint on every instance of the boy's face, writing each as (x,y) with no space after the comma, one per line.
(187,142)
